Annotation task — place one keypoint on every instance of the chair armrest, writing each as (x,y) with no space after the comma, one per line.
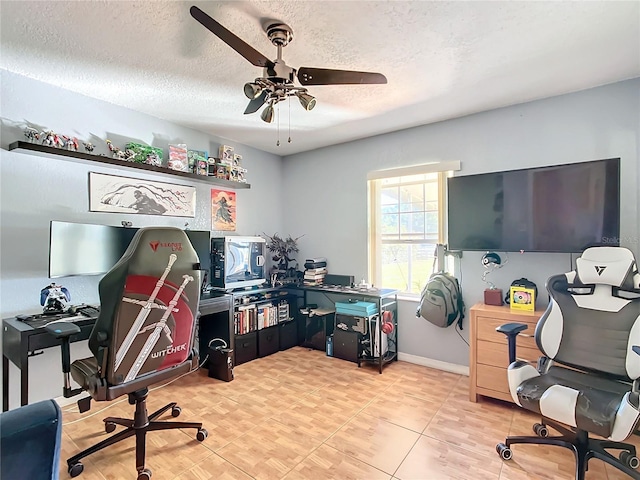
(636,348)
(63,331)
(511,330)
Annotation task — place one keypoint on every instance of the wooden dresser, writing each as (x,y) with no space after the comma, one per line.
(489,355)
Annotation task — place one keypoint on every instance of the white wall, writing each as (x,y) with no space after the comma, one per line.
(326,188)
(37,189)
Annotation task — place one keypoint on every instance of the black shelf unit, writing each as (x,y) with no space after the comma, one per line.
(45,149)
(259,342)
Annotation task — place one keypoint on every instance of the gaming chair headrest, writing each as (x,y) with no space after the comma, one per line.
(151,246)
(606,266)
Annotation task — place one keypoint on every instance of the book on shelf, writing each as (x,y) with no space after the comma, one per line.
(245,319)
(315,264)
(316,260)
(315,271)
(314,276)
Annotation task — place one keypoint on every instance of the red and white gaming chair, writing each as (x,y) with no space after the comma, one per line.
(143,336)
(588,377)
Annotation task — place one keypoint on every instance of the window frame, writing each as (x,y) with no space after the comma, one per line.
(374,213)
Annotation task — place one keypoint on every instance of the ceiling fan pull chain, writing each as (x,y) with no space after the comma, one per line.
(278,115)
(289,141)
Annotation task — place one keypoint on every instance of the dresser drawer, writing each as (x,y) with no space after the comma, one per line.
(493,378)
(497,354)
(487,331)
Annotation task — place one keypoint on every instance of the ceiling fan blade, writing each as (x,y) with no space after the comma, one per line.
(235,42)
(326,76)
(256,103)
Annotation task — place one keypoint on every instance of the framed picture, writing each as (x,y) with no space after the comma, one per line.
(115,194)
(223,210)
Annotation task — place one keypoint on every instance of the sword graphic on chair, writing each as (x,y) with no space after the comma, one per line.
(143,314)
(155,335)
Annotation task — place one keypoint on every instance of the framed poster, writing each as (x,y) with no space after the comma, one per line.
(115,194)
(223,210)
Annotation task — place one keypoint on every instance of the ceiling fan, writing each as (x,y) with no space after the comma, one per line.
(277,81)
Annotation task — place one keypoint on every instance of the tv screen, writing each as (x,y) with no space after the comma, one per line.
(87,249)
(564,208)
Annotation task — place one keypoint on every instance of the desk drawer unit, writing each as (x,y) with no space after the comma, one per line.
(489,355)
(268,341)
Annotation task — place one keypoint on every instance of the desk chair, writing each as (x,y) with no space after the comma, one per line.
(143,336)
(587,380)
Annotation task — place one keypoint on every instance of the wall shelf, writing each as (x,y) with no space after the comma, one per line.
(44,149)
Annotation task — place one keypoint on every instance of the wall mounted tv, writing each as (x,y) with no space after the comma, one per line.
(563,208)
(88,249)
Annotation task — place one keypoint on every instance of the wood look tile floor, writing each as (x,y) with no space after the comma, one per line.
(300,415)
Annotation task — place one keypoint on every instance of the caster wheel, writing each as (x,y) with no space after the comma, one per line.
(629,460)
(202,434)
(175,411)
(144,474)
(109,427)
(540,430)
(75,469)
(504,451)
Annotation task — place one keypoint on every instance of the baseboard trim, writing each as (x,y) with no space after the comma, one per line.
(437,364)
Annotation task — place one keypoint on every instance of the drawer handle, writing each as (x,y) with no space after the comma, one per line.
(245,345)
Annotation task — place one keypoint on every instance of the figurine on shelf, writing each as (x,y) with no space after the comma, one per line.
(153,159)
(31,134)
(117,153)
(88,146)
(72,143)
(51,139)
(129,155)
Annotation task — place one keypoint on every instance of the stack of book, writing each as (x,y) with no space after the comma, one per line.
(315,270)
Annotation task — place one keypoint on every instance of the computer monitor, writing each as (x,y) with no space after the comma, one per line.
(89,249)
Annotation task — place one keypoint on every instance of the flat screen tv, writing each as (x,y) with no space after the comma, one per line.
(88,249)
(563,208)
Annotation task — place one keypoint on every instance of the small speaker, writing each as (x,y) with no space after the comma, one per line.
(493,296)
(221,363)
(343,280)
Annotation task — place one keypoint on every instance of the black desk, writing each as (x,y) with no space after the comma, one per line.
(21,341)
(385,300)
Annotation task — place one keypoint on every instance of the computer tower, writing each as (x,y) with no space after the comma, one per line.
(221,363)
(347,345)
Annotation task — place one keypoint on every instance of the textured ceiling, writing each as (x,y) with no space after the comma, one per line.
(442,59)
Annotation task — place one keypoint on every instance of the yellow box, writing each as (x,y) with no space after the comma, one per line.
(523,299)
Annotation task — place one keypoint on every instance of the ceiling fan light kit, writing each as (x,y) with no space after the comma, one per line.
(252,90)
(277,82)
(267,113)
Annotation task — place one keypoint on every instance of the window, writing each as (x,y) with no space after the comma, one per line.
(406,221)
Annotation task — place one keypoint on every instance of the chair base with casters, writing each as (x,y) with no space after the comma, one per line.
(583,447)
(141,423)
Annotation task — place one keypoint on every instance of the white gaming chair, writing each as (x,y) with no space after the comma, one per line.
(588,376)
